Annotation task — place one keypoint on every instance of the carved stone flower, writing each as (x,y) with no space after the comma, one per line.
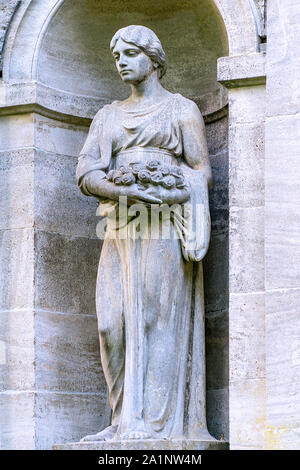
(152,165)
(169,182)
(156,178)
(110,175)
(124,169)
(176,171)
(135,168)
(180,182)
(117,178)
(144,176)
(165,170)
(128,179)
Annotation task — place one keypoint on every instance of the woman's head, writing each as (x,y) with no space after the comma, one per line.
(141,38)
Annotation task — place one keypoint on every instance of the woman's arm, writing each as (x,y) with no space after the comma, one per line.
(195,151)
(197,170)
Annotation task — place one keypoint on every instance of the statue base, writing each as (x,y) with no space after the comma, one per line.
(146,444)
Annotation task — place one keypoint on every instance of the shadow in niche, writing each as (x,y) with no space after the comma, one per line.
(75,59)
(216,285)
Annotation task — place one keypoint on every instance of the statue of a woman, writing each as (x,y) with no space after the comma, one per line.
(152,149)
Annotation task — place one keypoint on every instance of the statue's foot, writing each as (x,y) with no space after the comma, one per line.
(136,435)
(106,435)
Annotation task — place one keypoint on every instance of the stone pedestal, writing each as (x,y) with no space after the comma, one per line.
(149,444)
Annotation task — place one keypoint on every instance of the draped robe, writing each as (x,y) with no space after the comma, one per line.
(151,326)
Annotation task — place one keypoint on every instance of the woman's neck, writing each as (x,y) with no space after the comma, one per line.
(149,89)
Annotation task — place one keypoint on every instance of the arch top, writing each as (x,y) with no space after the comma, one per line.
(59,49)
(33,17)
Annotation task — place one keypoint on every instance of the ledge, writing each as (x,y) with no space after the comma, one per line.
(242,70)
(165,444)
(33,97)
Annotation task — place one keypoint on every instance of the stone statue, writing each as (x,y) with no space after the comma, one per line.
(150,150)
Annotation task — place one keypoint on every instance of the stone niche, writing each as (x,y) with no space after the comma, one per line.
(75,74)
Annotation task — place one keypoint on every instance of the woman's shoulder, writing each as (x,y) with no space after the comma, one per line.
(187,109)
(186,103)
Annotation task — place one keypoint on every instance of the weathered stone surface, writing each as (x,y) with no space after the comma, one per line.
(65,272)
(17,181)
(282,227)
(247,336)
(247,413)
(283,395)
(248,105)
(7,8)
(145,445)
(217,404)
(216,273)
(217,331)
(59,206)
(242,70)
(17,267)
(246,250)
(16,132)
(218,195)
(283,58)
(217,136)
(63,417)
(246,167)
(17,346)
(67,353)
(17,420)
(282,202)
(58,137)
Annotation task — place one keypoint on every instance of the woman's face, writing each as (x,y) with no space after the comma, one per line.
(132,63)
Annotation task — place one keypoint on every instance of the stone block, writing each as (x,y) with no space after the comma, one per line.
(67,353)
(247,105)
(217,346)
(242,70)
(247,413)
(246,165)
(157,444)
(247,336)
(17,179)
(64,417)
(282,64)
(17,345)
(16,131)
(17,266)
(282,202)
(217,412)
(246,250)
(217,135)
(59,137)
(282,161)
(283,368)
(59,205)
(17,420)
(65,273)
(218,195)
(215,267)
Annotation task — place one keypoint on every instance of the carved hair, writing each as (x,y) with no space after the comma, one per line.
(146,40)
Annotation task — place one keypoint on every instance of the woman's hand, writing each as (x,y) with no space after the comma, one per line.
(135,193)
(175,195)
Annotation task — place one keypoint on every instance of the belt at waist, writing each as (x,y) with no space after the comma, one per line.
(146,153)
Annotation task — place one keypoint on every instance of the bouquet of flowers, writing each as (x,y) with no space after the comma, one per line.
(152,173)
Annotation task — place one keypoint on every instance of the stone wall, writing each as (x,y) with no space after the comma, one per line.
(282,226)
(49,356)
(7,9)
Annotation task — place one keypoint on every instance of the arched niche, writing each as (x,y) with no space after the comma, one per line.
(62,47)
(74,54)
(64,44)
